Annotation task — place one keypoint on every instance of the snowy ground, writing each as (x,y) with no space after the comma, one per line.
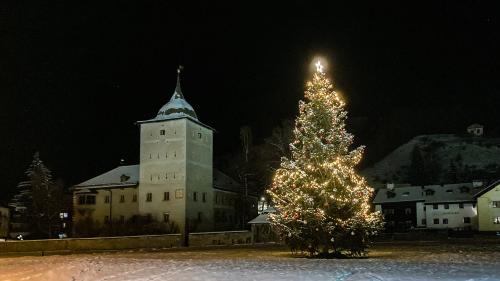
(386,262)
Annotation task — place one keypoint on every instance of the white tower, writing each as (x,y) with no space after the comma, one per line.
(175,178)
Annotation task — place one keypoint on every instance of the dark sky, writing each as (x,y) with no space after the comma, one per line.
(75,76)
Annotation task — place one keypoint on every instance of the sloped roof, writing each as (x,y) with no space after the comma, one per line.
(225,182)
(119,176)
(486,189)
(460,192)
(260,219)
(401,194)
(123,176)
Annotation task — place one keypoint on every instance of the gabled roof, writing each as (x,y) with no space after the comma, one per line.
(430,194)
(260,219)
(120,176)
(486,189)
(127,176)
(399,194)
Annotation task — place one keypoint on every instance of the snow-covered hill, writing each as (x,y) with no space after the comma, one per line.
(453,158)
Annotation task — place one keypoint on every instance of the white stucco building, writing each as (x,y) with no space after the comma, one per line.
(174,181)
(449,206)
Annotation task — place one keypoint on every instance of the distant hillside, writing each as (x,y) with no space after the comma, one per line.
(430,159)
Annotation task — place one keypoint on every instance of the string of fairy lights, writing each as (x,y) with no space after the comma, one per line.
(318,190)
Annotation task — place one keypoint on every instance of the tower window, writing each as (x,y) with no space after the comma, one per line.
(162,132)
(179,194)
(149,197)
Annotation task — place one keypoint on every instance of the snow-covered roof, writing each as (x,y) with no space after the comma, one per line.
(119,176)
(176,107)
(430,194)
(260,219)
(123,176)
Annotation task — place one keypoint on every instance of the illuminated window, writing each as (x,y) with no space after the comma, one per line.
(179,194)
(495,204)
(496,220)
(149,197)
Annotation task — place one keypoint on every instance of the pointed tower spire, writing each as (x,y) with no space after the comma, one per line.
(178,91)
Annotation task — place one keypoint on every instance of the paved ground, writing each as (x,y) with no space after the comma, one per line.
(432,261)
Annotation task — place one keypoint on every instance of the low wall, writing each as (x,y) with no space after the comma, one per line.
(201,239)
(92,244)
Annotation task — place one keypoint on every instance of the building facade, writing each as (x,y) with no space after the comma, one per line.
(449,206)
(175,181)
(488,208)
(4,222)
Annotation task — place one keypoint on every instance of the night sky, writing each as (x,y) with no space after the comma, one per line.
(74,77)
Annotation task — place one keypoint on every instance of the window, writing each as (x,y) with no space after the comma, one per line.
(445,221)
(81,200)
(199,135)
(425,208)
(90,200)
(408,211)
(106,199)
(134,198)
(424,221)
(204,197)
(166,196)
(496,220)
(195,196)
(466,220)
(435,206)
(149,197)
(106,219)
(179,194)
(166,217)
(162,132)
(199,216)
(122,198)
(495,204)
(429,192)
(436,221)
(446,206)
(461,205)
(388,211)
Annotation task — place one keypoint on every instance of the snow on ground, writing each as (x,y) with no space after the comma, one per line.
(386,262)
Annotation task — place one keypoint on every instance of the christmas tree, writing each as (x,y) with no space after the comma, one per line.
(323,205)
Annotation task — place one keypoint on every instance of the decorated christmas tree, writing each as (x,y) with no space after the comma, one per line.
(323,205)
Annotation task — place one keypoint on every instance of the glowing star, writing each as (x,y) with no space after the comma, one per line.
(319,67)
